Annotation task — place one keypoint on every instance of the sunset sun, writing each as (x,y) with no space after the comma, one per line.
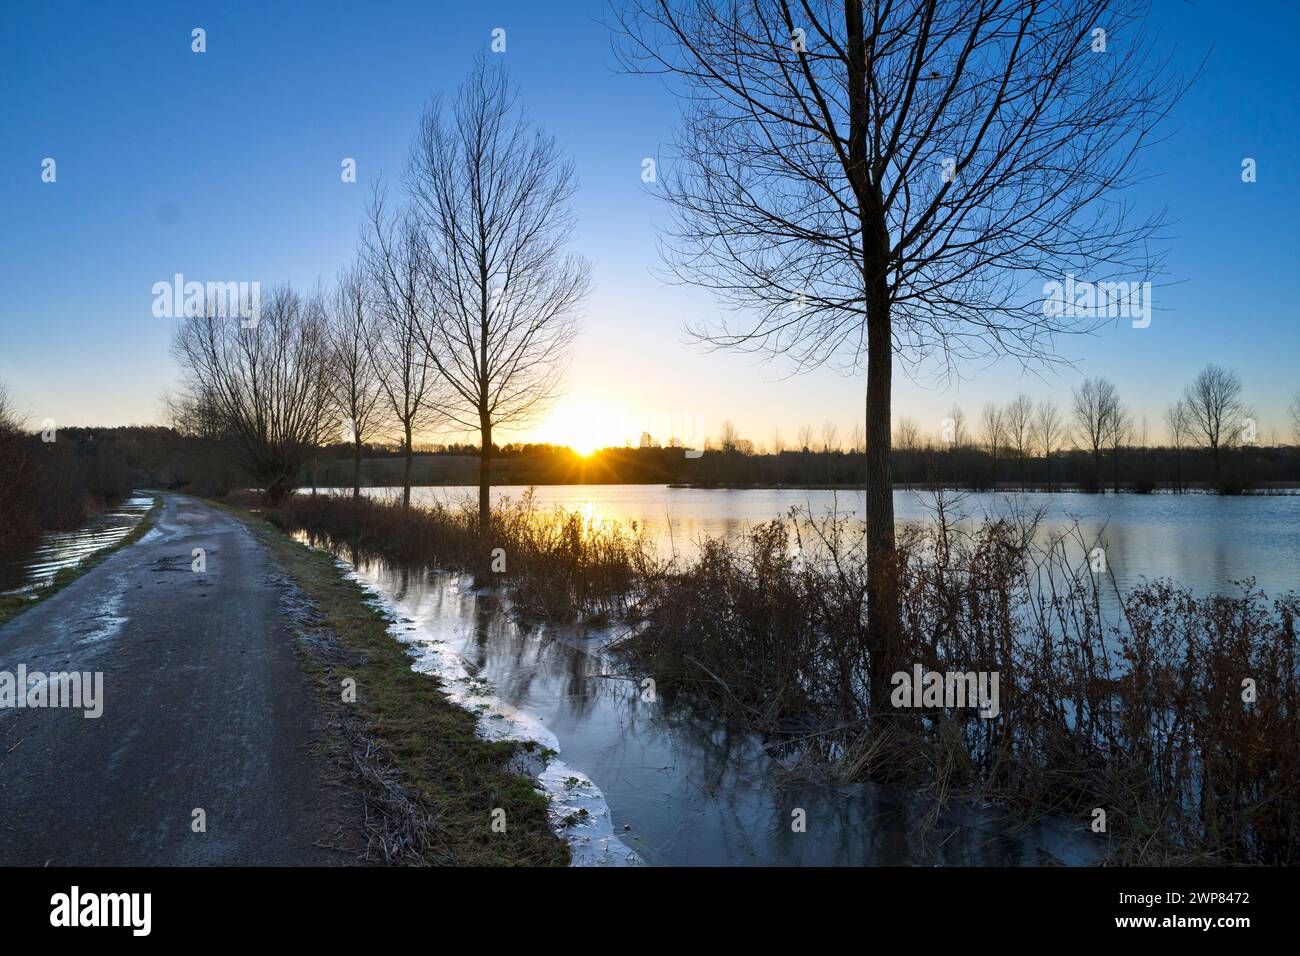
(582,426)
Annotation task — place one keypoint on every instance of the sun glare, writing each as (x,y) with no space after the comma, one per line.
(584,428)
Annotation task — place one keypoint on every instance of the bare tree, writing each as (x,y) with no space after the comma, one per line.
(494,196)
(263,389)
(956,426)
(857,439)
(1215,410)
(1119,432)
(355,388)
(1294,409)
(1050,432)
(909,440)
(830,437)
(805,438)
(395,261)
(858,177)
(830,444)
(1020,429)
(993,426)
(728,437)
(20,478)
(1179,428)
(1094,401)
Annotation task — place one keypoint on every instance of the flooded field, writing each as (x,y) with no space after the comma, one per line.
(668,786)
(1206,543)
(28,569)
(661,785)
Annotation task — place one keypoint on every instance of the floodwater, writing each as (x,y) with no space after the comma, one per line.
(1204,542)
(25,570)
(669,787)
(660,784)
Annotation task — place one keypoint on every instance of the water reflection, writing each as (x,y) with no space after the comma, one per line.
(26,569)
(690,790)
(1204,542)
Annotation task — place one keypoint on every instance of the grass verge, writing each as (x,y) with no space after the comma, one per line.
(11,605)
(429,781)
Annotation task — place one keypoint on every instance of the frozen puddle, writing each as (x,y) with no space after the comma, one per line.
(578,811)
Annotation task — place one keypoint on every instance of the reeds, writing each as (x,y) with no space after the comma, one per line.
(556,566)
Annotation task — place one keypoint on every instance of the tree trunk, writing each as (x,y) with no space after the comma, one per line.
(884,638)
(406,471)
(484,476)
(356,469)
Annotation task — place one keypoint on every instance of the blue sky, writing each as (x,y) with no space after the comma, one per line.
(226,165)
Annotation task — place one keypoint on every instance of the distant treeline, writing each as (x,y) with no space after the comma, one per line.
(1128,469)
(54,480)
(54,485)
(1138,469)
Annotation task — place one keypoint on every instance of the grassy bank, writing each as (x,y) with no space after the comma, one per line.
(14,604)
(430,782)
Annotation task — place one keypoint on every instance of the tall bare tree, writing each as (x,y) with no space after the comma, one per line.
(396,261)
(1215,410)
(1094,401)
(355,388)
(263,389)
(1178,426)
(1294,409)
(909,440)
(857,438)
(956,426)
(993,428)
(1020,429)
(865,181)
(494,198)
(728,437)
(1050,433)
(1119,432)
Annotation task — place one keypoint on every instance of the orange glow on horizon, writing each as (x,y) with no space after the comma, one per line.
(584,427)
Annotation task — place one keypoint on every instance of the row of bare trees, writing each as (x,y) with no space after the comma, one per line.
(1211,414)
(456,316)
